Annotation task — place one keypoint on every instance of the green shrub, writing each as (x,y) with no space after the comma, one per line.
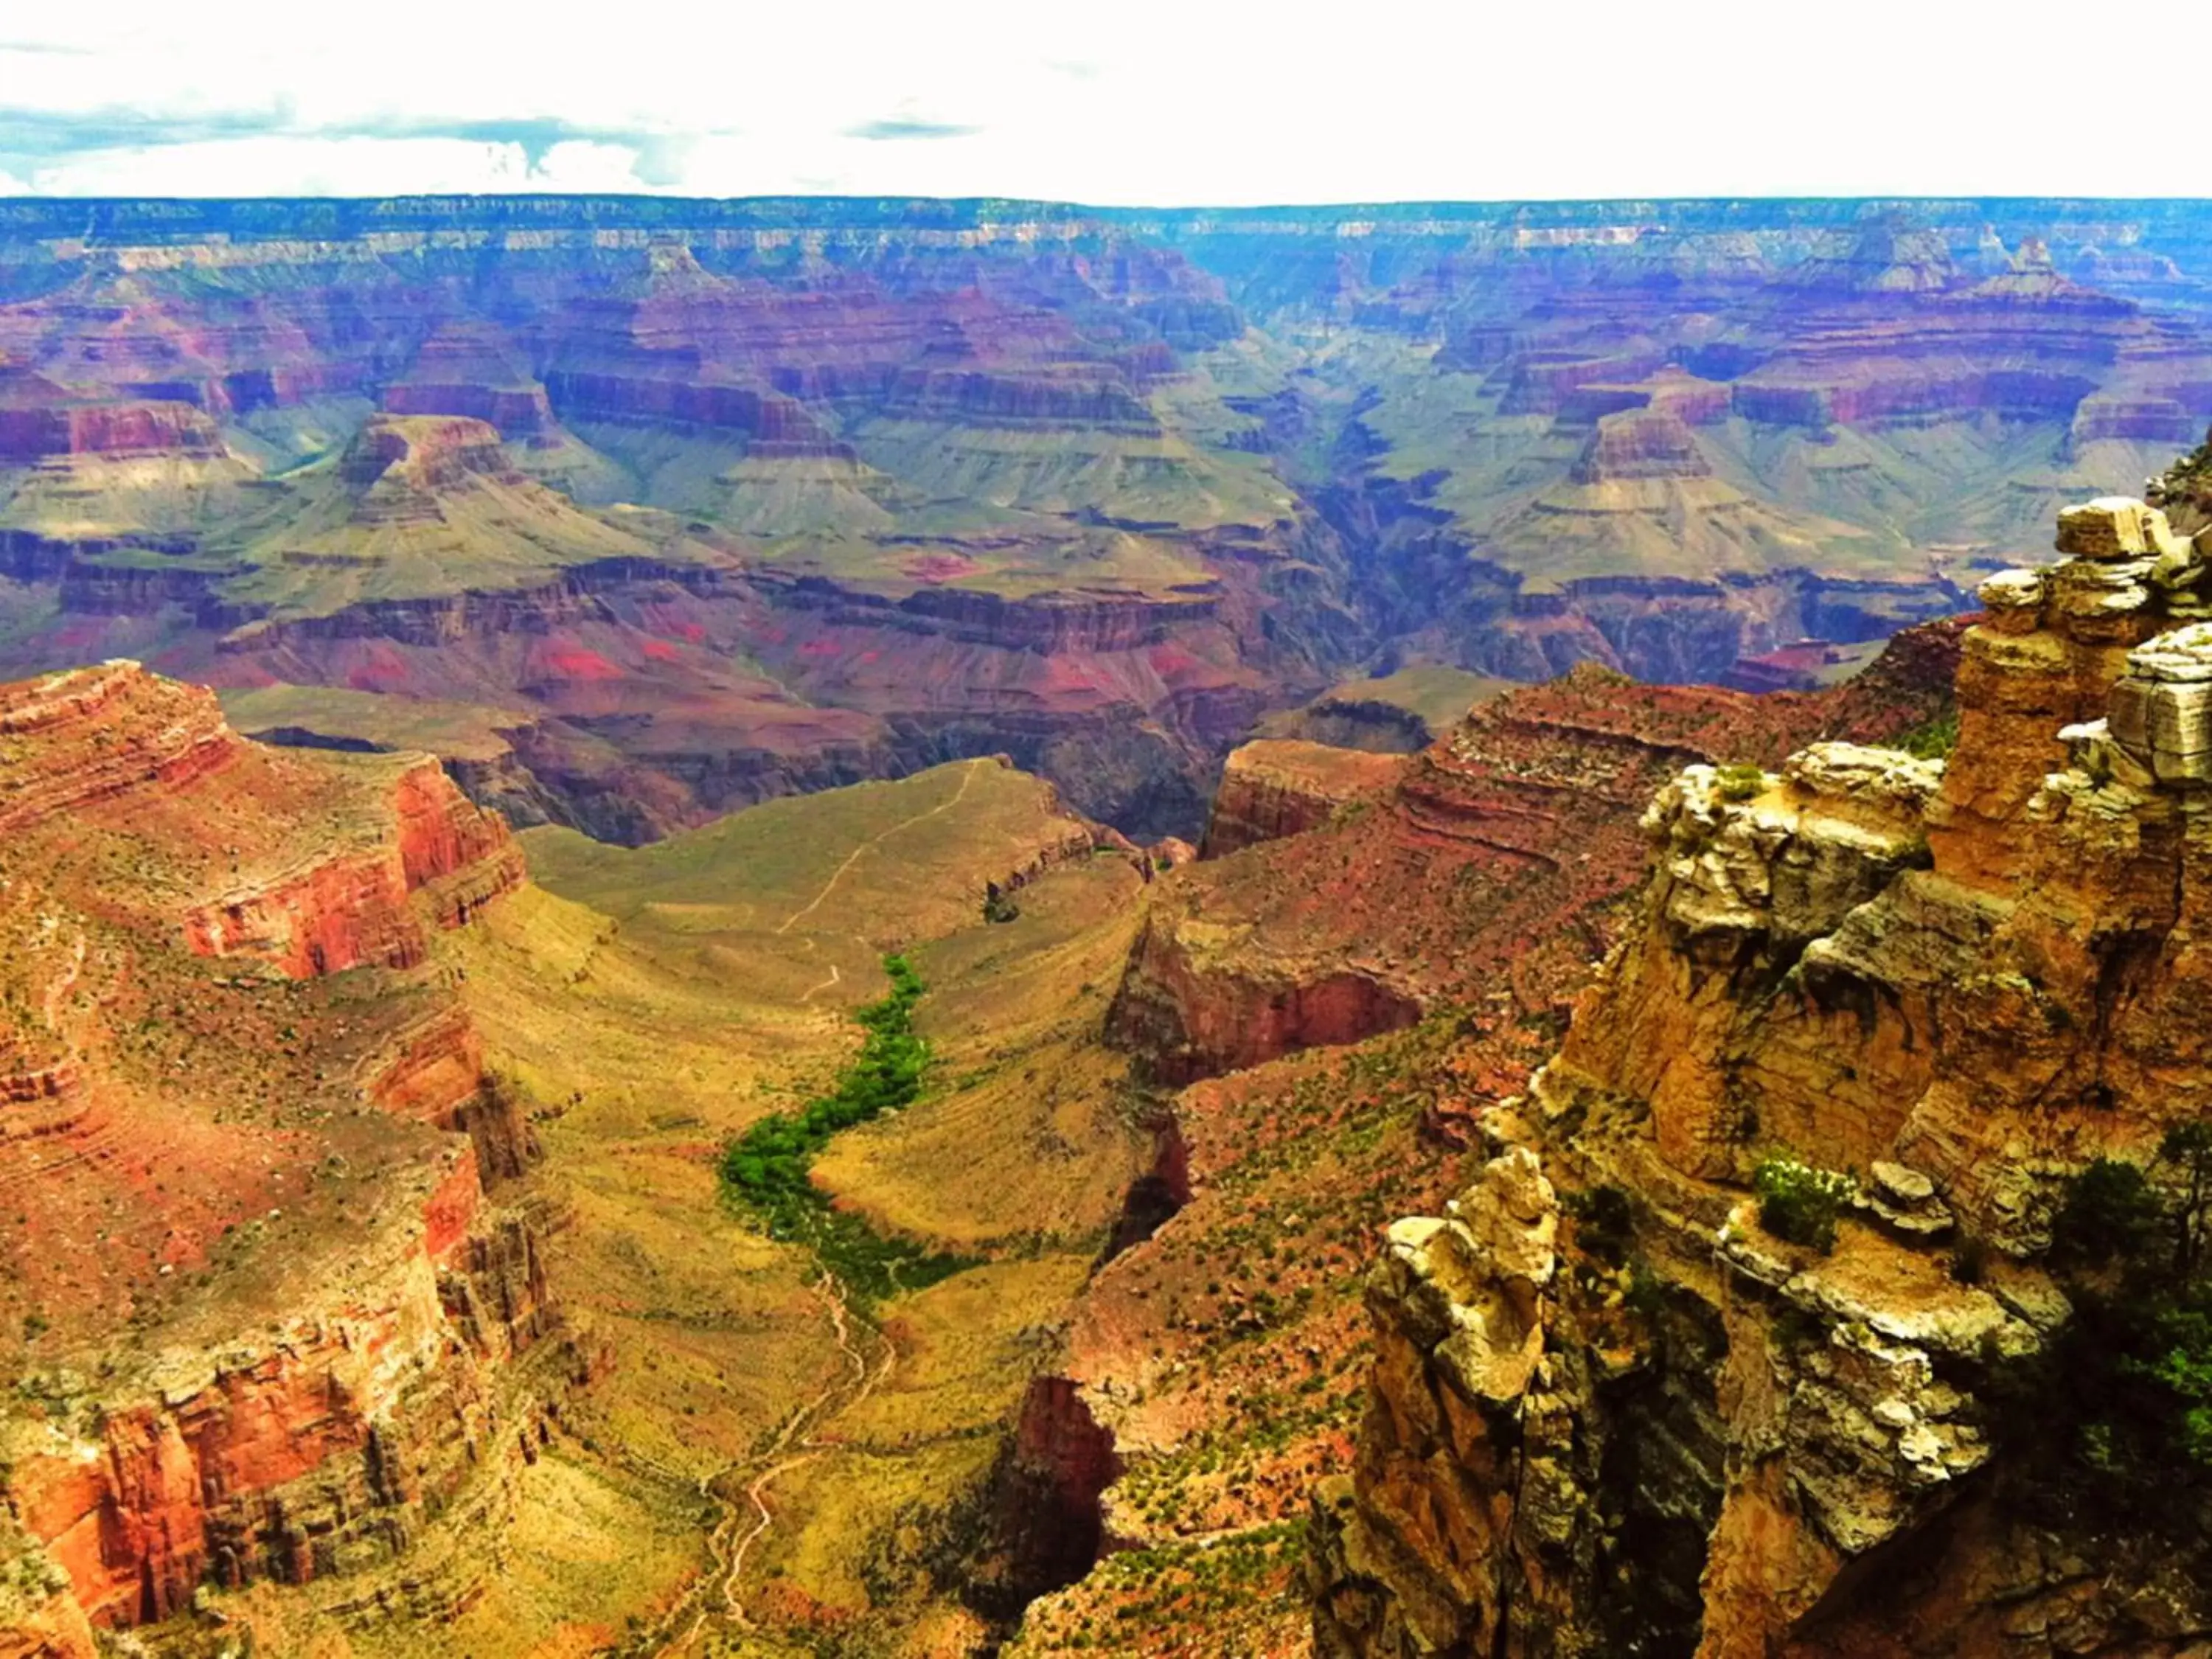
(2109,1213)
(764,1171)
(1646,1296)
(2114,1417)
(1800,1204)
(1604,1222)
(1742,781)
(1798,1329)
(1934,739)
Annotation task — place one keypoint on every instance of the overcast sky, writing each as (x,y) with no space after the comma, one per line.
(1110,101)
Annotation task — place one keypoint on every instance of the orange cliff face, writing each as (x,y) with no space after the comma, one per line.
(1980,963)
(1610,1411)
(258,1331)
(1488,861)
(1212,1368)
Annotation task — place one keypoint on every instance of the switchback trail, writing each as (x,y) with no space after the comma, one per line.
(967,776)
(796,1443)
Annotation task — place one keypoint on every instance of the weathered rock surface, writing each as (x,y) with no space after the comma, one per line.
(1494,851)
(1963,980)
(1282,786)
(357,1342)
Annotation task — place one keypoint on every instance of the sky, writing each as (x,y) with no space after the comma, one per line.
(1139,102)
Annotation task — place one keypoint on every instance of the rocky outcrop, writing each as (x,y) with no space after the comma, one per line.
(432,1071)
(1047,1519)
(1460,1435)
(2054,888)
(315,1454)
(1492,860)
(358,1343)
(339,909)
(1282,786)
(1196,1005)
(1648,443)
(98,733)
(472,370)
(41,423)
(1962,980)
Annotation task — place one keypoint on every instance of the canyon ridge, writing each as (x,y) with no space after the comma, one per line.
(927,929)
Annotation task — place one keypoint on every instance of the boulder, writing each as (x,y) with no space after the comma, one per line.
(2161,709)
(2113,528)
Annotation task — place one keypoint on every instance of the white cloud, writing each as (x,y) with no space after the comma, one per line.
(1147,101)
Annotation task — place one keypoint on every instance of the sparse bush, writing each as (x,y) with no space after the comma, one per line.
(1800,1204)
(1934,739)
(1742,781)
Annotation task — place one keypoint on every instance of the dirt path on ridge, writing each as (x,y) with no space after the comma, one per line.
(967,776)
(745,1526)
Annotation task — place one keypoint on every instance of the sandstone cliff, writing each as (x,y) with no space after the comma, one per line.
(1471,867)
(1956,984)
(1281,786)
(264,1320)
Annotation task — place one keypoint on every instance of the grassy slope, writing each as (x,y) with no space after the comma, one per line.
(456,731)
(649,1002)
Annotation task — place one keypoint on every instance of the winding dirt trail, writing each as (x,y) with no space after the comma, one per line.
(967,777)
(795,1445)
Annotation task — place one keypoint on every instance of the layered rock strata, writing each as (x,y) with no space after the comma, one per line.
(1961,980)
(1492,851)
(270,1324)
(1282,786)
(317,1454)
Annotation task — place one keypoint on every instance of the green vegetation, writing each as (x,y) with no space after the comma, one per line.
(1605,1222)
(1742,781)
(1799,1203)
(765,1171)
(2110,1212)
(1934,739)
(2115,1416)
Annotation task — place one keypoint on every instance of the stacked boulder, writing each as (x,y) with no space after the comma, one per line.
(2160,722)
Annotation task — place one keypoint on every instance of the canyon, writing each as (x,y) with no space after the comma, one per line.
(1349,1236)
(1421,789)
(692,504)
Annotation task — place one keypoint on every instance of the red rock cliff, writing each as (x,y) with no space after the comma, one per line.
(1614,1408)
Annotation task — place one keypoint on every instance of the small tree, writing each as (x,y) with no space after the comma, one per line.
(2110,1212)
(1800,1203)
(2189,1147)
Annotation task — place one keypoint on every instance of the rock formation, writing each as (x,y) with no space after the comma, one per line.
(1491,852)
(1281,786)
(266,1322)
(1954,982)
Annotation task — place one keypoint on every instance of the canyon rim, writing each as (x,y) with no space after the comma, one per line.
(918,928)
